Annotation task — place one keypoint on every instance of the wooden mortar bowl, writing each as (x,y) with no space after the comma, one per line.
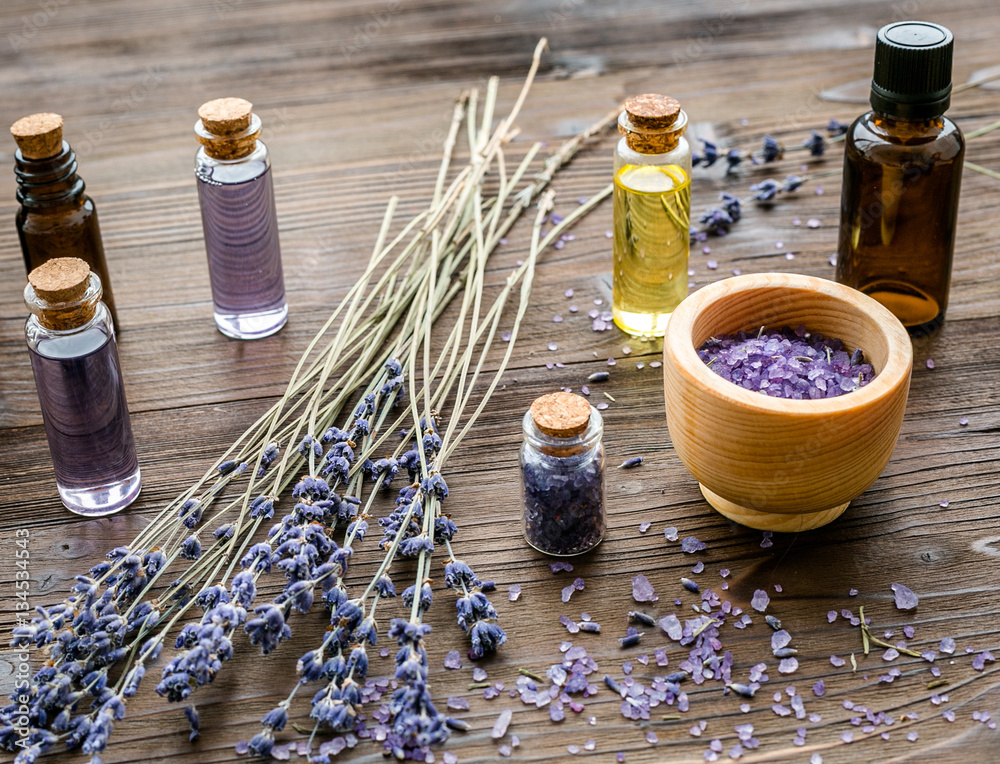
(776,464)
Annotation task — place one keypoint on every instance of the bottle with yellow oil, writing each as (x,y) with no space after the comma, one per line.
(652,212)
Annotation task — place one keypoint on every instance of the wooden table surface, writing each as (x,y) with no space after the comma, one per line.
(355,98)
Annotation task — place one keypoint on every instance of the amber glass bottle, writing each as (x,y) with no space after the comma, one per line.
(902,175)
(56,217)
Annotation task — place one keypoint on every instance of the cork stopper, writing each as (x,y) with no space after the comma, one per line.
(652,123)
(228,128)
(652,111)
(66,293)
(39,136)
(561,415)
(62,279)
(226,116)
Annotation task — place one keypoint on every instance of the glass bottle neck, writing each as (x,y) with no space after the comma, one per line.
(46,183)
(69,316)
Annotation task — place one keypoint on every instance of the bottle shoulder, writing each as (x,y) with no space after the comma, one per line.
(680,156)
(71,343)
(228,171)
(889,142)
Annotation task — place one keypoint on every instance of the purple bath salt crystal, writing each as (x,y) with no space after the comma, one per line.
(479,674)
(691,545)
(779,639)
(513,592)
(242,747)
(567,592)
(831,616)
(558,567)
(792,364)
(568,293)
(453,660)
(819,689)
(579,584)
(947,646)
(760,600)
(671,624)
(457,704)
(643,527)
(501,724)
(569,623)
(670,533)
(837,661)
(642,590)
(788,665)
(930,363)
(905,598)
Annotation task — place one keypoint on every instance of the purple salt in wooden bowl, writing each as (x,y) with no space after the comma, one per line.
(776,464)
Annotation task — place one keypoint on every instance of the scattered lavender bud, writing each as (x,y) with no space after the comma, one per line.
(773,622)
(599,376)
(630,640)
(638,617)
(628,464)
(591,627)
(690,585)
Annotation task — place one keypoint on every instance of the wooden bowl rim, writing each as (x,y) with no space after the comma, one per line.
(680,339)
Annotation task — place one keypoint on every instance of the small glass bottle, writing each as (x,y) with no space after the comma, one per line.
(902,175)
(78,377)
(239,220)
(562,471)
(652,214)
(56,217)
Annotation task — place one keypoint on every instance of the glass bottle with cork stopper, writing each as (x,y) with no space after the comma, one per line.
(902,176)
(56,218)
(562,474)
(78,377)
(652,214)
(239,220)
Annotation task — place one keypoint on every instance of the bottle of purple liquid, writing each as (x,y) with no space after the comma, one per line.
(239,220)
(74,356)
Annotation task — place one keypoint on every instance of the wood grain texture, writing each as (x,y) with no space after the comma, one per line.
(355,96)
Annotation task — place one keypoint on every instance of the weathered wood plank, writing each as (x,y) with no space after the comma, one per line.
(129,75)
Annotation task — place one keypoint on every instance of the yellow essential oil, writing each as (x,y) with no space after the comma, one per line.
(652,210)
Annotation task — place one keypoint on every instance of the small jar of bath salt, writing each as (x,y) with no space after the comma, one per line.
(562,471)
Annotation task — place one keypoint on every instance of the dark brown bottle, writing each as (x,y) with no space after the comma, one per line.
(56,218)
(902,175)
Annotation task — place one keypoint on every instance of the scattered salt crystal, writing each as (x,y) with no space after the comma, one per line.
(553,346)
(813,223)
(711,264)
(608,234)
(944,504)
(642,590)
(626,350)
(760,600)
(779,245)
(789,255)
(904,597)
(501,724)
(557,319)
(453,660)
(930,363)
(643,527)
(963,421)
(796,222)
(737,271)
(670,533)
(601,406)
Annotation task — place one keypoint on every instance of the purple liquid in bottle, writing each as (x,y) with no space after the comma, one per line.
(244,255)
(79,385)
